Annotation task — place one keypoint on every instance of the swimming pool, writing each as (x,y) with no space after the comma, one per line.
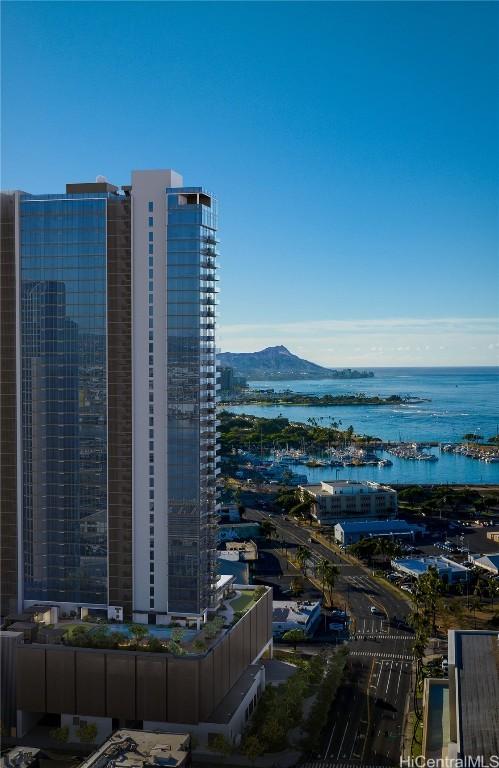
(162,633)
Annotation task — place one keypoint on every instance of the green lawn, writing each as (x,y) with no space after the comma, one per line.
(243,602)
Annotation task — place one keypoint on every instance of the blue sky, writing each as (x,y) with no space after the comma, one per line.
(353,147)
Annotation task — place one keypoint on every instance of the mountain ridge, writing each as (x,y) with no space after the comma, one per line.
(278,362)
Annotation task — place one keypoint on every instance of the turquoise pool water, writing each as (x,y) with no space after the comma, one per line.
(162,633)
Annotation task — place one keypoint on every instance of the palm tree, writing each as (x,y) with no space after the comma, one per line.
(302,556)
(327,572)
(267,528)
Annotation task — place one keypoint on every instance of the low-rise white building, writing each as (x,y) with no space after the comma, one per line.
(449,571)
(336,500)
(295,614)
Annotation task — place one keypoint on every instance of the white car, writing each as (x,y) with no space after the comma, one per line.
(406,588)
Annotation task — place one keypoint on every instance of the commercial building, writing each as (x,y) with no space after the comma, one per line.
(107,403)
(489,563)
(461,716)
(493,536)
(449,571)
(337,500)
(246,550)
(295,614)
(351,531)
(142,749)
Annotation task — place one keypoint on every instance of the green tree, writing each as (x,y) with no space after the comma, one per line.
(294,636)
(220,745)
(138,632)
(252,747)
(268,529)
(426,595)
(327,573)
(60,734)
(154,644)
(303,555)
(77,635)
(87,734)
(259,592)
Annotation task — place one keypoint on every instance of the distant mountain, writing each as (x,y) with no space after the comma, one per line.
(279,363)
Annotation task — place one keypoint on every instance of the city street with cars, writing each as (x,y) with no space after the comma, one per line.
(366,718)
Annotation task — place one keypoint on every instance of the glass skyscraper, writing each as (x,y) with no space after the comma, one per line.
(63,397)
(114,430)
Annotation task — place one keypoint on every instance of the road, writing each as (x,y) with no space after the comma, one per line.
(367,715)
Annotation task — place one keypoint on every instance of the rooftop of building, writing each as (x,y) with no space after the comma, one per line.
(476,659)
(347,487)
(375,526)
(177,638)
(421,564)
(492,559)
(230,703)
(140,749)
(298,611)
(19,757)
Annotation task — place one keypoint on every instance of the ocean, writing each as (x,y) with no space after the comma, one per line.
(462,400)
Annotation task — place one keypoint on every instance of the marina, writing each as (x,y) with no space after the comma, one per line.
(420,443)
(450,468)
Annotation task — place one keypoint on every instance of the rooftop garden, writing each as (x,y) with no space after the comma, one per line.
(176,640)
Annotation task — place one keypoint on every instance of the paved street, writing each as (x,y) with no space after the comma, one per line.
(367,715)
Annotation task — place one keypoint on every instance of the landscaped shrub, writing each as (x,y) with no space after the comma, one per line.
(87,734)
(60,734)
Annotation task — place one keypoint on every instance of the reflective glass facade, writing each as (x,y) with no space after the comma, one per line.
(191,391)
(64,397)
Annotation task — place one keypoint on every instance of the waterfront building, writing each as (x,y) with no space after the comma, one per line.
(109,445)
(351,531)
(337,500)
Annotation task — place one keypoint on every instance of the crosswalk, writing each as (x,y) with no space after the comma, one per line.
(377,636)
(361,581)
(383,655)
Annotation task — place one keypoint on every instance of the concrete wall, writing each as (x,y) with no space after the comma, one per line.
(140,686)
(149,186)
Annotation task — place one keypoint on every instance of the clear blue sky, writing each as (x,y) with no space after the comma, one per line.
(353,147)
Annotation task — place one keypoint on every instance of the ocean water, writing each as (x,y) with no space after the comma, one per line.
(462,400)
